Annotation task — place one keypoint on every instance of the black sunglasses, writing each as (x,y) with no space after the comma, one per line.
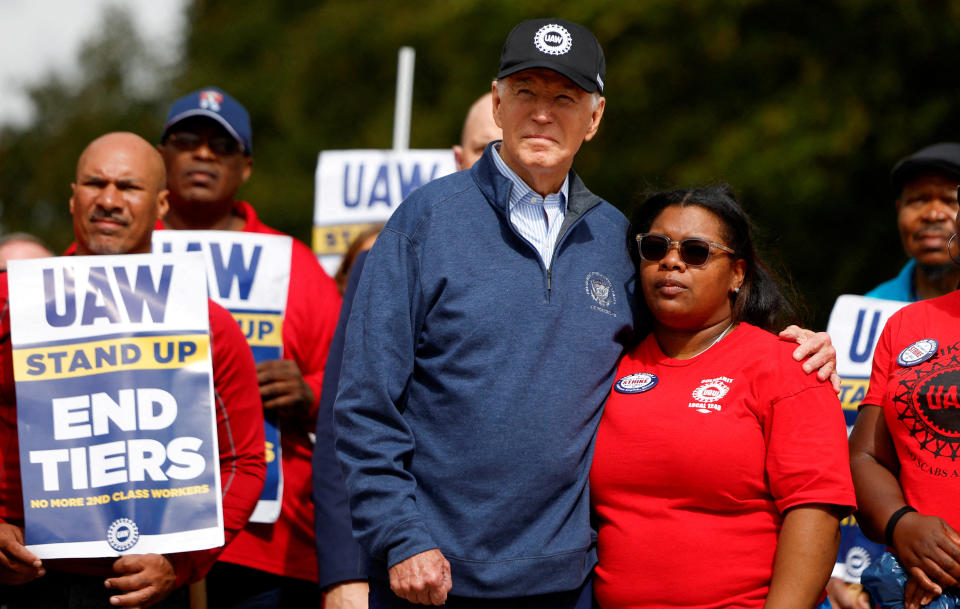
(220,145)
(693,251)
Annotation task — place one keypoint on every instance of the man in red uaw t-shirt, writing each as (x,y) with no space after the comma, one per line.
(905,444)
(206,146)
(117,199)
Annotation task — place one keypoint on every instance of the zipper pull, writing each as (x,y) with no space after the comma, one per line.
(548,280)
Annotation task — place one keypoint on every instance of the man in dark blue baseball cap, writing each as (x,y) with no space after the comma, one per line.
(207,149)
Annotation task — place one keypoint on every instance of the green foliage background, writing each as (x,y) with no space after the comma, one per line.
(802,106)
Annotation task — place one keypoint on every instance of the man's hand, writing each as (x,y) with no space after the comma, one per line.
(929,550)
(423,578)
(145,578)
(847,596)
(347,595)
(818,351)
(18,565)
(282,387)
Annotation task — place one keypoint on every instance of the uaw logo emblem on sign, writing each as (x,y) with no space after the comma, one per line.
(210,100)
(553,39)
(123,534)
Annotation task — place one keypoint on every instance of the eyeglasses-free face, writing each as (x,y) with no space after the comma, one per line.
(693,252)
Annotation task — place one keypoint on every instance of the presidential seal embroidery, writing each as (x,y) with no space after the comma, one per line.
(600,289)
(636,383)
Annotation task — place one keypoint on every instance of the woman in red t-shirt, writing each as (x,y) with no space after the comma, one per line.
(720,470)
(905,445)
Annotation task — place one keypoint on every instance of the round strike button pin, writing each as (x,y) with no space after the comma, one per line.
(918,352)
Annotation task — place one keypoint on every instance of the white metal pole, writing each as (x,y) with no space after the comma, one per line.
(401,112)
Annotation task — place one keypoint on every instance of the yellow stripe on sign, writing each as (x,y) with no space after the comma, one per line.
(112,355)
(261,329)
(336,239)
(852,392)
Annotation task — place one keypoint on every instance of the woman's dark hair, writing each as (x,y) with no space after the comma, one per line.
(761,300)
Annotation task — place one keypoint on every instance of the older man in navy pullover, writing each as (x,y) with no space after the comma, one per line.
(483,340)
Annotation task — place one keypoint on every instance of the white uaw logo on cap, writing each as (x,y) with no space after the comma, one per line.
(553,39)
(123,534)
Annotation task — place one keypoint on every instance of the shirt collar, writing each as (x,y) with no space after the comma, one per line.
(521,190)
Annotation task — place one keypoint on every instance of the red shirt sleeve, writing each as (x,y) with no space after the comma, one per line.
(807,458)
(240,436)
(882,360)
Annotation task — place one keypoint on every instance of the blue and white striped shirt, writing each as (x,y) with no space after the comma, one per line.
(536,218)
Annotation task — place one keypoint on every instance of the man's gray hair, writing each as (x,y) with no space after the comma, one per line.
(594,97)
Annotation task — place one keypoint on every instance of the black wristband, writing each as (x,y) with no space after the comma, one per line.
(892,523)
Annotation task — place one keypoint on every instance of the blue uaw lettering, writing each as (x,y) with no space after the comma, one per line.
(167,247)
(101,302)
(235,268)
(380,193)
(38,363)
(355,201)
(864,355)
(122,461)
(415,182)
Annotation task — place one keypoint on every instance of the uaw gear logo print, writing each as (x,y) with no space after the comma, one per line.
(210,100)
(708,393)
(600,289)
(927,402)
(123,534)
(553,39)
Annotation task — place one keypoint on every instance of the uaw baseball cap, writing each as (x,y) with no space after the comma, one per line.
(213,103)
(558,45)
(939,158)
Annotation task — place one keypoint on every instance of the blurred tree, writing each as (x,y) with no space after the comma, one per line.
(802,107)
(117,89)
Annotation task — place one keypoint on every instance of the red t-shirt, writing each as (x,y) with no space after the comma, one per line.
(920,402)
(286,547)
(691,477)
(239,436)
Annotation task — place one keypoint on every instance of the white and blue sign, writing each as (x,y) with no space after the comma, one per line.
(356,189)
(249,274)
(854,327)
(116,421)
